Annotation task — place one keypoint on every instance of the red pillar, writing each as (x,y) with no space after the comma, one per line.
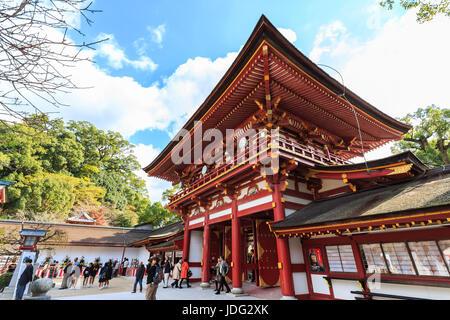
(186,240)
(206,252)
(284,255)
(236,249)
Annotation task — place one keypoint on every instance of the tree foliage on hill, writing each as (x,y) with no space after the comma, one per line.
(429,139)
(158,215)
(71,167)
(428,9)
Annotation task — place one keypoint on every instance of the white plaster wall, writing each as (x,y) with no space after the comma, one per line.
(291,184)
(195,221)
(255,203)
(300,283)
(196,272)
(319,284)
(296,250)
(91,253)
(330,184)
(413,291)
(296,200)
(196,246)
(302,188)
(342,289)
(140,253)
(220,214)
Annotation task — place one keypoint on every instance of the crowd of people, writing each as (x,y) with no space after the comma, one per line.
(74,270)
(157,271)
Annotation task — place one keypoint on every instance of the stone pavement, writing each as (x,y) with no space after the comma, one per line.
(120,289)
(194,293)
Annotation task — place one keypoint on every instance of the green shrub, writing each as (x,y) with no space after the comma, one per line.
(5,279)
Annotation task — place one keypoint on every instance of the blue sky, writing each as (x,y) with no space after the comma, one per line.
(189,29)
(164,57)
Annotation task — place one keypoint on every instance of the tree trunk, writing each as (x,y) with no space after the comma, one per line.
(443,150)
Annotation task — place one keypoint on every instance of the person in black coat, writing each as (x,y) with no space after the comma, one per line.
(140,272)
(27,276)
(109,272)
(152,285)
(167,267)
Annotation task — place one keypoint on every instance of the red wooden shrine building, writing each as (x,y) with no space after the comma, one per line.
(287,212)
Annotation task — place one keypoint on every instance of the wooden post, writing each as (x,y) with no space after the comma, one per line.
(186,240)
(206,253)
(236,249)
(284,255)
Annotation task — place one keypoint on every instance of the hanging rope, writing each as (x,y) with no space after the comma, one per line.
(354,112)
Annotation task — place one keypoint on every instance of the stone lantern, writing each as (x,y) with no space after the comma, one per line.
(30,238)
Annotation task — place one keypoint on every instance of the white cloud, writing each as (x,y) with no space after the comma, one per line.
(122,104)
(288,34)
(157,33)
(330,39)
(145,154)
(405,66)
(116,56)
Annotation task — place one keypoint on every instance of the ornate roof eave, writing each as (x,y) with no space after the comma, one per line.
(266,32)
(401,220)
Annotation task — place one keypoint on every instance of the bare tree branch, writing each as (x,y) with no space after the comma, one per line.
(35,54)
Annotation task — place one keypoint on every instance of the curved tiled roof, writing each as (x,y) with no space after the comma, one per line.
(425,192)
(83,235)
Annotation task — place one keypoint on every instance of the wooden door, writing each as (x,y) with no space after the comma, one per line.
(269,275)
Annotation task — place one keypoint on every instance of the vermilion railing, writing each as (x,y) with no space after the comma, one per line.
(310,152)
(260,146)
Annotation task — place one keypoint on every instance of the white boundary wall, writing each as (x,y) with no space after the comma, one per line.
(91,253)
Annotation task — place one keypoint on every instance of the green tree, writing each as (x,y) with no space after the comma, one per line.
(428,9)
(106,150)
(170,192)
(429,139)
(158,215)
(69,167)
(51,194)
(42,194)
(114,186)
(125,219)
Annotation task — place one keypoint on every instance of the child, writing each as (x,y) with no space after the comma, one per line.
(87,274)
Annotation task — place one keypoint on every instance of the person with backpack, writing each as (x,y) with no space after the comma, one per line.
(87,274)
(109,272)
(154,277)
(185,273)
(139,276)
(223,271)
(102,277)
(93,273)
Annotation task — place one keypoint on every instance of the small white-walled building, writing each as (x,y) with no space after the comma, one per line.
(87,241)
